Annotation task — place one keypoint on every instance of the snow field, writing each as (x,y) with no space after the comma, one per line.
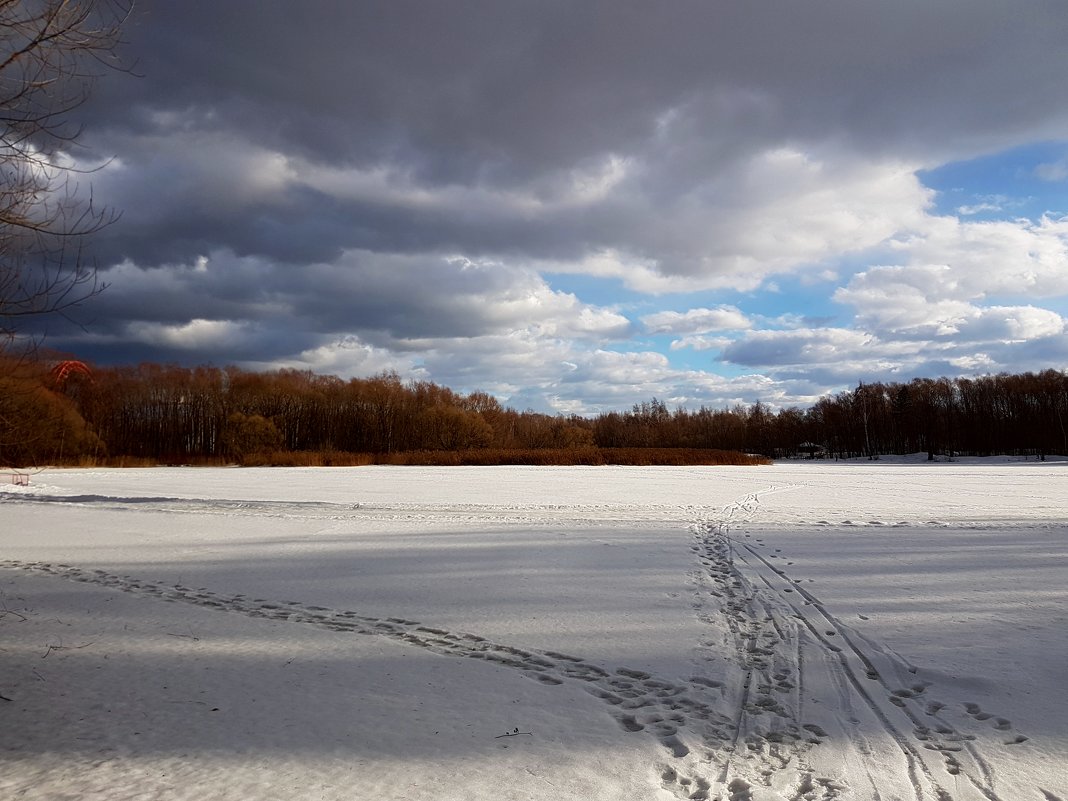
(804,631)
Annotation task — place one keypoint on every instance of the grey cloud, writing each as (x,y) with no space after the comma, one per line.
(390,301)
(994,339)
(797,347)
(540,84)
(490,95)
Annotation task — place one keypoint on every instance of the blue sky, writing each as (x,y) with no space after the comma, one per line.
(1026,181)
(577,207)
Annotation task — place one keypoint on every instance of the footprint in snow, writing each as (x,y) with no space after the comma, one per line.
(683,787)
(740,790)
(934,707)
(629,723)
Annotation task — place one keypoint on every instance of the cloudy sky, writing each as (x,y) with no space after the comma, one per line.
(577,206)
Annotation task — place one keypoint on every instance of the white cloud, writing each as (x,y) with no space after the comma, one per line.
(640,274)
(975,364)
(899,300)
(194,335)
(701,343)
(1054,171)
(696,321)
(952,271)
(937,320)
(348,357)
(781,210)
(978,208)
(526,370)
(997,257)
(1010,324)
(778,211)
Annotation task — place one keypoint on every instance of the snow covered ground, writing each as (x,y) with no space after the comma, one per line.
(801,631)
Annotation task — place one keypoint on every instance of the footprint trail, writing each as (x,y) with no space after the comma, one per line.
(638,701)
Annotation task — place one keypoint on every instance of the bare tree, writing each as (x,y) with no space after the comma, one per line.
(51,51)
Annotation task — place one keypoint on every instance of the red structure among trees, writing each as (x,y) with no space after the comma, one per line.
(63,370)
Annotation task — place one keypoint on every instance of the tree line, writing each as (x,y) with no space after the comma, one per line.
(1023,414)
(61,412)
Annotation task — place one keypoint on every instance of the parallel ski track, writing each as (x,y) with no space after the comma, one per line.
(754,575)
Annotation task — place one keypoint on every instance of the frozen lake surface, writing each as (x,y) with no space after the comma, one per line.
(795,632)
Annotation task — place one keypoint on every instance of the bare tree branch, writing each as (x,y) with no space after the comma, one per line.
(51,52)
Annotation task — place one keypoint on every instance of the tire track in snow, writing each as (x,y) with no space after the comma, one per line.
(858,670)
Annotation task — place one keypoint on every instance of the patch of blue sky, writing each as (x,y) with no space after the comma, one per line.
(793,302)
(706,361)
(592,289)
(1059,305)
(651,343)
(785,301)
(1026,181)
(644,343)
(682,359)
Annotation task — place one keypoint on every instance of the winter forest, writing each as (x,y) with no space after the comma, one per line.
(63,412)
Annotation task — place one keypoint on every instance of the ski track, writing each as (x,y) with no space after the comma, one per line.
(731,737)
(785,640)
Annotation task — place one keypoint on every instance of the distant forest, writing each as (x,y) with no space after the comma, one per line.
(62,412)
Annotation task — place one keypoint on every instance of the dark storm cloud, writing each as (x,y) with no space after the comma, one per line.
(490,91)
(518,95)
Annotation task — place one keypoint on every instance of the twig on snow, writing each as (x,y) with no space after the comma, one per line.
(62,647)
(187,636)
(5,611)
(514,733)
